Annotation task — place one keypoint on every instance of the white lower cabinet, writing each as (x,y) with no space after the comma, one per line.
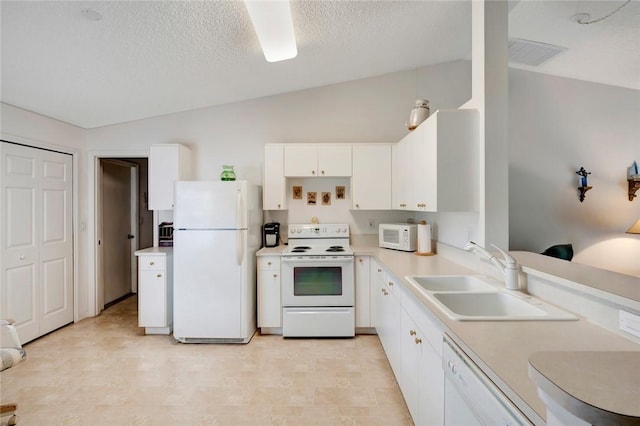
(363,287)
(412,341)
(269,293)
(155,289)
(388,323)
(422,377)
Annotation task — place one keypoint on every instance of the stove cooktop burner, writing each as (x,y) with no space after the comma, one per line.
(333,249)
(302,248)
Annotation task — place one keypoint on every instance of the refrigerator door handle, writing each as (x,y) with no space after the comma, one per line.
(239,247)
(239,208)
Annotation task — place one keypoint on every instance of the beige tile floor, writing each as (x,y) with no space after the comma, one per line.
(105,371)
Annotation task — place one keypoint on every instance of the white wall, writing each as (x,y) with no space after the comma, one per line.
(372,110)
(21,126)
(557,125)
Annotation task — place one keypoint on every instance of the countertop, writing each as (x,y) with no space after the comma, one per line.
(500,348)
(155,251)
(570,379)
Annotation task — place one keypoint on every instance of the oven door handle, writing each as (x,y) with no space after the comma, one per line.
(317,261)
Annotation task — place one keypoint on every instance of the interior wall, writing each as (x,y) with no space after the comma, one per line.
(21,126)
(371,110)
(557,125)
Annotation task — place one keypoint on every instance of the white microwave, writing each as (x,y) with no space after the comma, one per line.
(398,236)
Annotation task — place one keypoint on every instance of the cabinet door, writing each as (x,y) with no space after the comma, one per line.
(274,188)
(334,160)
(300,160)
(410,354)
(425,167)
(444,163)
(363,307)
(269,302)
(152,301)
(371,180)
(167,164)
(388,324)
(402,169)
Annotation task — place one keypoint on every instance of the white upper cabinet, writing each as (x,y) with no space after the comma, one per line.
(274,183)
(371,180)
(402,167)
(315,160)
(167,164)
(436,166)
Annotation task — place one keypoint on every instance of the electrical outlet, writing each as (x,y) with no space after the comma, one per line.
(372,224)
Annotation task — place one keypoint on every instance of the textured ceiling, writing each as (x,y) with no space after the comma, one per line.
(151,58)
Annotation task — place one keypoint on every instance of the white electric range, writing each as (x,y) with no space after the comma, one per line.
(318,284)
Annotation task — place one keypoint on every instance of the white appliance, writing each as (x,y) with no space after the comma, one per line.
(318,284)
(217,231)
(398,236)
(471,398)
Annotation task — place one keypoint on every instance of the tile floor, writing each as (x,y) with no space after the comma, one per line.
(105,371)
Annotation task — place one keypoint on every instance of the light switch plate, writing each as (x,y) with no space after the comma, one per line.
(630,323)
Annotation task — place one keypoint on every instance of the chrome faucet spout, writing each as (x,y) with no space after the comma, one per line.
(509,267)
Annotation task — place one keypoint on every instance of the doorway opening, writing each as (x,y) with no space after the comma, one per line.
(124,224)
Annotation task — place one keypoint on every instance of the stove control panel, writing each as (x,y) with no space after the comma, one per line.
(319,230)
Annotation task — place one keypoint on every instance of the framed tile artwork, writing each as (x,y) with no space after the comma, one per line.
(311,198)
(297,192)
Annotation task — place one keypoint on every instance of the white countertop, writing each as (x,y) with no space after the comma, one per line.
(604,395)
(154,251)
(502,349)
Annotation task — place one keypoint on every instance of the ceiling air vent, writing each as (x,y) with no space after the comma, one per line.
(532,53)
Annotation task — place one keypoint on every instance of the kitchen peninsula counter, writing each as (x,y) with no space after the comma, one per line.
(502,349)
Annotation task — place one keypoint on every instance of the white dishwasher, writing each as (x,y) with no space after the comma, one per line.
(470,397)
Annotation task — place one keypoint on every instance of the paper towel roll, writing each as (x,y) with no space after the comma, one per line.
(424,237)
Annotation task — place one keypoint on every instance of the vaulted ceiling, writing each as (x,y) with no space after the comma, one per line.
(148,58)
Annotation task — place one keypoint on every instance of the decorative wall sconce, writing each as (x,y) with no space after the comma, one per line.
(582,181)
(633,178)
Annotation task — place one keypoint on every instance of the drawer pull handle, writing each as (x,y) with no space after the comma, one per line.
(159,275)
(152,263)
(418,340)
(390,283)
(275,275)
(412,332)
(379,270)
(269,263)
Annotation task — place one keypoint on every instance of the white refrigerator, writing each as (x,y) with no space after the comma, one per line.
(216,235)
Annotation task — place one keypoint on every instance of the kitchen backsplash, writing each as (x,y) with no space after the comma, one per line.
(329,200)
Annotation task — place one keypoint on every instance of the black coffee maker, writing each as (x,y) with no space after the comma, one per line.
(271,234)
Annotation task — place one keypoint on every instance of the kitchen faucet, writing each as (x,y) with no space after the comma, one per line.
(508,266)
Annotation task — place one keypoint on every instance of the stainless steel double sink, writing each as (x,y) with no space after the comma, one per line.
(479,298)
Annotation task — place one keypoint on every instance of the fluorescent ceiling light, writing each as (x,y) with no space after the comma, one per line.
(274,27)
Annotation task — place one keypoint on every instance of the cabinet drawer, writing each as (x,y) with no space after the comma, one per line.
(152,263)
(269,263)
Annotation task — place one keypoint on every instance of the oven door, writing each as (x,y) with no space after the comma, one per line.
(317,281)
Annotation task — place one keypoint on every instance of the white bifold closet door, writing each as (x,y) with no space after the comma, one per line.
(36,239)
